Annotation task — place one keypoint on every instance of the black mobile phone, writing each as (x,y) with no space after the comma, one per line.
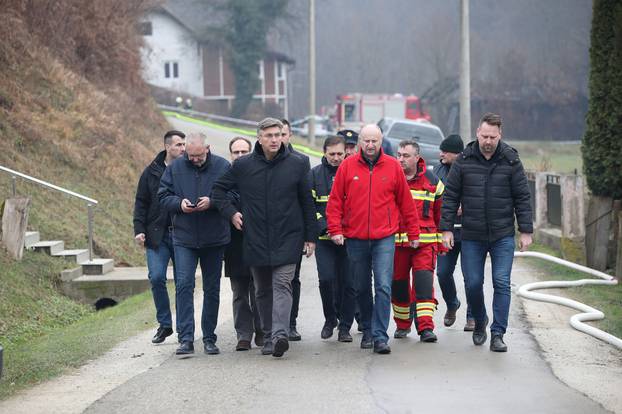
(191,205)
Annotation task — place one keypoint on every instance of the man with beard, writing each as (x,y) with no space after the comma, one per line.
(489,182)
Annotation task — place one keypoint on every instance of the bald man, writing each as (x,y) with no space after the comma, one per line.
(368,200)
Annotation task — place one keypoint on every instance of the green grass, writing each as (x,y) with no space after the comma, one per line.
(608,299)
(45,333)
(550,156)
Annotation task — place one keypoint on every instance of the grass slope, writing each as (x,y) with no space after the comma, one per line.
(44,333)
(74,112)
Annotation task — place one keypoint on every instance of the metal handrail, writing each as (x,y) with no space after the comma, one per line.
(90,201)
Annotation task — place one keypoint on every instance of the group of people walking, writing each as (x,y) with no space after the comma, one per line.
(378,224)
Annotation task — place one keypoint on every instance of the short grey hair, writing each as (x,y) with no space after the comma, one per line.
(268,123)
(412,142)
(196,138)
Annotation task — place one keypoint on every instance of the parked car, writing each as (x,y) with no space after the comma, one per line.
(427,135)
(322,127)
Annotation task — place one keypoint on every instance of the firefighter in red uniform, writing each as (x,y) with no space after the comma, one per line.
(426,190)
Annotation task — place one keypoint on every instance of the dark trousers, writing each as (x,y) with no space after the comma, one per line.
(273,292)
(295,294)
(245,313)
(336,286)
(445,267)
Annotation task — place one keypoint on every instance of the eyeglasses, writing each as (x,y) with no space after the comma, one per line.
(239,152)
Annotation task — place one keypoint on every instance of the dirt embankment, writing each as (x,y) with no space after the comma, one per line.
(74,111)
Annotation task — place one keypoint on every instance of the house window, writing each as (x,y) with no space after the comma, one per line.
(145,28)
(171,70)
(280,71)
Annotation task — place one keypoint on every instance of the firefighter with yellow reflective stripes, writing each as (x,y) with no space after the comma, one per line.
(426,190)
(336,288)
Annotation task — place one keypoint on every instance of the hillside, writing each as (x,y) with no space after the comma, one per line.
(75,112)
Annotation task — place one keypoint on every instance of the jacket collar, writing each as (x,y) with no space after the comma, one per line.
(361,158)
(282,153)
(328,166)
(205,165)
(157,165)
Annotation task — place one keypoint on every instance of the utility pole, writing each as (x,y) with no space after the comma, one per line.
(465,73)
(311,71)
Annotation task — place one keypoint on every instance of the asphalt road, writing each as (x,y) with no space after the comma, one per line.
(319,375)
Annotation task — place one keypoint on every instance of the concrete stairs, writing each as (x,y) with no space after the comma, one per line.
(79,257)
(90,280)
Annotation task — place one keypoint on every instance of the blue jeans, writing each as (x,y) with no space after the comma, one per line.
(336,289)
(157,262)
(186,260)
(473,260)
(445,266)
(375,255)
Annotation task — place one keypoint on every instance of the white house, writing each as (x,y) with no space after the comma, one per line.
(172,57)
(176,58)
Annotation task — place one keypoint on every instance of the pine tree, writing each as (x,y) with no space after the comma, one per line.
(602,143)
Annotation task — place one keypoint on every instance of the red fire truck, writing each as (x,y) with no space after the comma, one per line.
(356,109)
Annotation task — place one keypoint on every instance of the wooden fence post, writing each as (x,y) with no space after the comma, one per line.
(14,223)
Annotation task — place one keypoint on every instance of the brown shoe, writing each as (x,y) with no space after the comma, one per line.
(450,317)
(469,326)
(243,345)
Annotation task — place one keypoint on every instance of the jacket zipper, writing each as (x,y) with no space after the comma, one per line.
(267,213)
(198,184)
(369,206)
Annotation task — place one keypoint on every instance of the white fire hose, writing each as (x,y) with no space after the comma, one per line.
(588,313)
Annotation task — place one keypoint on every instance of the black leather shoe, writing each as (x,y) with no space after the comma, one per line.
(497,344)
(327,330)
(479,333)
(185,348)
(243,345)
(280,347)
(344,336)
(210,348)
(161,335)
(428,335)
(294,335)
(401,333)
(267,348)
(367,341)
(259,339)
(450,316)
(381,348)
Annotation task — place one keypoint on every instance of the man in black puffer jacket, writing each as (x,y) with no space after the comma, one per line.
(489,181)
(200,234)
(152,227)
(278,222)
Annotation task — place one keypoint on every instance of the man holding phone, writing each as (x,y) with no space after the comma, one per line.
(200,235)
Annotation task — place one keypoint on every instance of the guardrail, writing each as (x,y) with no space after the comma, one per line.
(90,202)
(215,117)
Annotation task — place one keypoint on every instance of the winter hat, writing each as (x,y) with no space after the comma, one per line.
(453,143)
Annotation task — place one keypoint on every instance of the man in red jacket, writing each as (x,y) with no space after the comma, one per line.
(426,190)
(368,197)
